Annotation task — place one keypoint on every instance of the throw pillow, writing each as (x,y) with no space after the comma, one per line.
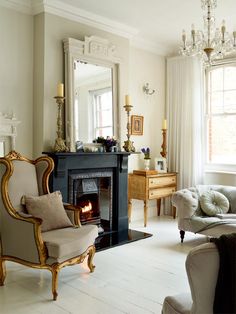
(50,209)
(213,203)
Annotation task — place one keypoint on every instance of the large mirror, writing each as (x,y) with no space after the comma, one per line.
(91,72)
(93,107)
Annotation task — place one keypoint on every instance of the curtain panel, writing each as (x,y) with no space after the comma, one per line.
(185,116)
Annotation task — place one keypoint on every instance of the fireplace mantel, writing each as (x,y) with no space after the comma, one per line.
(67,163)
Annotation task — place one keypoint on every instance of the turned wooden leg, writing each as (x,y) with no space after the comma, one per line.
(174,211)
(90,259)
(129,209)
(182,233)
(158,206)
(2,272)
(55,271)
(145,212)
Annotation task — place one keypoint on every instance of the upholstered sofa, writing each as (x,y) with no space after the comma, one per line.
(192,218)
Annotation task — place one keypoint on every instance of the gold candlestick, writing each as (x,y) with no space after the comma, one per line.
(60,145)
(164,146)
(128,145)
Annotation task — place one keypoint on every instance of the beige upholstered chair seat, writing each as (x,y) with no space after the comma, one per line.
(63,244)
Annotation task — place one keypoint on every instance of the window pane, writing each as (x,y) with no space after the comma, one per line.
(230,78)
(217,103)
(104,119)
(222,139)
(216,80)
(230,101)
(104,132)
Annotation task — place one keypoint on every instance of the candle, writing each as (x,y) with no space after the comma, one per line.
(60,90)
(127,100)
(164,125)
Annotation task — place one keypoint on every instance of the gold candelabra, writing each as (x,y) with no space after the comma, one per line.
(128,144)
(164,144)
(60,145)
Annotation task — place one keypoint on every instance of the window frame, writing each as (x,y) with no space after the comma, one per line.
(209,166)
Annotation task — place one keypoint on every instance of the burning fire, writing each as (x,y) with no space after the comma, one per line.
(87,208)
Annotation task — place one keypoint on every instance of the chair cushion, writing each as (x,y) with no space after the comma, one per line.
(213,202)
(66,243)
(50,209)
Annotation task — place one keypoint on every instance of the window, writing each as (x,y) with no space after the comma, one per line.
(221,115)
(103,117)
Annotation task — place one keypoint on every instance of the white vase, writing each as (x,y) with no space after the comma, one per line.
(147,164)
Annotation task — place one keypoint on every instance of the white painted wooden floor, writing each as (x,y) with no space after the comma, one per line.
(133,278)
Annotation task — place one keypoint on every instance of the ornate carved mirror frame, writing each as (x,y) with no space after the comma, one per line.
(94,50)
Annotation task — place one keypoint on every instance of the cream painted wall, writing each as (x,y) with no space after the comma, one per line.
(16,74)
(146,67)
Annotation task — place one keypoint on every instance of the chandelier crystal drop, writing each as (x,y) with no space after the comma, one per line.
(212,43)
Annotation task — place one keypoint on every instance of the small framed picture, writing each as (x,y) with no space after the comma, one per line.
(161,164)
(136,125)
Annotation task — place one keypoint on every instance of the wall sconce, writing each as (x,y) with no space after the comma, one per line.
(147,90)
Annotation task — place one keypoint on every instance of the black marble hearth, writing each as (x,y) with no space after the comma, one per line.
(73,166)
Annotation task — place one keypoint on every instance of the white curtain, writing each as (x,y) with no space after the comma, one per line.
(185,116)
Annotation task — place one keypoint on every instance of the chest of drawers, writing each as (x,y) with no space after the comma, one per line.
(147,187)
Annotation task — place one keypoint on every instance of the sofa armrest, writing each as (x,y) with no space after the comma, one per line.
(186,202)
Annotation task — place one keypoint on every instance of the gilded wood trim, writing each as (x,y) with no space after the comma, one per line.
(2,271)
(76,210)
(7,161)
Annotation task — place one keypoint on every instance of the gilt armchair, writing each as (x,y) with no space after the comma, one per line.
(26,238)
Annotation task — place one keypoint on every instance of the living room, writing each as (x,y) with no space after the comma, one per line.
(132,278)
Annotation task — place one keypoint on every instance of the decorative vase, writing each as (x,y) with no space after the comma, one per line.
(147,163)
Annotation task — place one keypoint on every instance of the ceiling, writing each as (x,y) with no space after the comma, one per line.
(159,22)
(154,25)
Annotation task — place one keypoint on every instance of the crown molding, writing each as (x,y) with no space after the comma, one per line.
(23,6)
(62,9)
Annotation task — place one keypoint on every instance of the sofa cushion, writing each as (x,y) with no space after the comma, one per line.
(50,209)
(65,243)
(213,203)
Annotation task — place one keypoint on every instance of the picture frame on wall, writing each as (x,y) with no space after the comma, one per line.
(161,164)
(136,125)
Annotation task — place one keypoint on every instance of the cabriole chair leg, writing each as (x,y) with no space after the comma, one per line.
(182,233)
(90,259)
(2,272)
(55,271)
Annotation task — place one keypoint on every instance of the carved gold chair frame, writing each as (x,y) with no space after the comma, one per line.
(41,247)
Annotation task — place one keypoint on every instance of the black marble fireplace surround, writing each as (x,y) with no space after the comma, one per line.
(72,166)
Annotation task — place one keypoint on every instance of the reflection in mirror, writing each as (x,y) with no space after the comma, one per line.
(2,149)
(93,101)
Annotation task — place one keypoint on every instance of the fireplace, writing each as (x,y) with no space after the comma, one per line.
(98,181)
(92,191)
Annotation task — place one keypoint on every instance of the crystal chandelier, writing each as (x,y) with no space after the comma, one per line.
(212,43)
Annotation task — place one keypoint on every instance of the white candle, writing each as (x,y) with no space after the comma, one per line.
(164,124)
(127,100)
(60,90)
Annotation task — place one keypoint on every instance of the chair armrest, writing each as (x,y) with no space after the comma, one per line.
(186,201)
(73,212)
(27,230)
